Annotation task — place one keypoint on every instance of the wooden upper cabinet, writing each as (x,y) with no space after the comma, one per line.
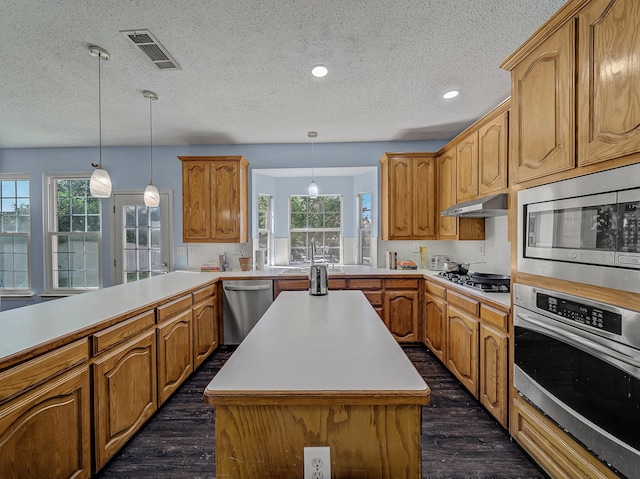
(608,86)
(493,147)
(408,196)
(450,227)
(467,167)
(447,225)
(542,111)
(215,199)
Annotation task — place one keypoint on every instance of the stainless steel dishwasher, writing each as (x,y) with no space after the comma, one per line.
(244,304)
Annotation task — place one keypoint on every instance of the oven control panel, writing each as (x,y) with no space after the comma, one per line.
(598,318)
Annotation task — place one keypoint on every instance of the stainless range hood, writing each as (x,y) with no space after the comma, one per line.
(486,207)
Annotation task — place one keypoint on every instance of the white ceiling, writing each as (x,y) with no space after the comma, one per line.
(245,69)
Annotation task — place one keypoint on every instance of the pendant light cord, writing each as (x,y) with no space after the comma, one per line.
(99,115)
(151,138)
(312,161)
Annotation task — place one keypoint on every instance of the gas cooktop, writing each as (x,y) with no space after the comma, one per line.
(486,282)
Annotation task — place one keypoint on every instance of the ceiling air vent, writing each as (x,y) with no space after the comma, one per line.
(152,48)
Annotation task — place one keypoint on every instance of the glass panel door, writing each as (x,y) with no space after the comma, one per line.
(142,246)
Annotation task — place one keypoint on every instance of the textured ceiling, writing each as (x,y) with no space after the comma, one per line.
(245,69)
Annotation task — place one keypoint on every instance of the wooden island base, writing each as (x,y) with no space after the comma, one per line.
(318,372)
(365,441)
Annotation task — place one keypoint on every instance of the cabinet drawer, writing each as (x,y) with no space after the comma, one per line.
(469,305)
(435,289)
(176,306)
(403,283)
(117,333)
(337,283)
(21,378)
(359,283)
(374,297)
(494,316)
(203,293)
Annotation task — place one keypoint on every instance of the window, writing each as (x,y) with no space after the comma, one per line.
(265,225)
(142,246)
(319,219)
(74,234)
(15,229)
(364,228)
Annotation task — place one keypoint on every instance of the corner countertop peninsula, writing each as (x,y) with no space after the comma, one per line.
(318,371)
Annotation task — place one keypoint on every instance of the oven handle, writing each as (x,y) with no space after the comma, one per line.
(591,347)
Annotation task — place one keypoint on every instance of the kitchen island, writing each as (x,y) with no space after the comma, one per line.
(318,371)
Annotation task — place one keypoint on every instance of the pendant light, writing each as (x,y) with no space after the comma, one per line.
(151,194)
(313,188)
(100,183)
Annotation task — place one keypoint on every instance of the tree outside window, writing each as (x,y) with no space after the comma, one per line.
(265,225)
(319,219)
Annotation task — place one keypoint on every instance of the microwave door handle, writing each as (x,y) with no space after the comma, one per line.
(591,347)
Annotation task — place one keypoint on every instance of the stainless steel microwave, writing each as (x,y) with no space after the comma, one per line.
(584,229)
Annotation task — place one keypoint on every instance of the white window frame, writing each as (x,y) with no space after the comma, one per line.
(318,230)
(51,233)
(269,229)
(363,232)
(20,291)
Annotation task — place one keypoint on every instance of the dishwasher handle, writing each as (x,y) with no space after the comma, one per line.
(261,287)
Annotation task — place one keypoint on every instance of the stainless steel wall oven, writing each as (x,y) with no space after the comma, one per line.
(578,361)
(584,229)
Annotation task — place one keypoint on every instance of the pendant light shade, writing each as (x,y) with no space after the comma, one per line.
(151,194)
(100,182)
(313,187)
(313,190)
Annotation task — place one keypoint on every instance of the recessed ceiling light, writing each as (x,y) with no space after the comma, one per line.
(319,71)
(451,94)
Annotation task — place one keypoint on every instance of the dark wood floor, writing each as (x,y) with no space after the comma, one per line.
(459,438)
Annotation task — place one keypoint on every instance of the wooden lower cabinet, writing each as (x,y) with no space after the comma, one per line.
(493,372)
(46,432)
(175,354)
(552,448)
(462,347)
(401,314)
(205,325)
(124,392)
(435,326)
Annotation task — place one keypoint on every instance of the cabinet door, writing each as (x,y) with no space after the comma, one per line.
(542,109)
(205,330)
(175,354)
(493,373)
(447,225)
(424,201)
(493,145)
(225,206)
(196,201)
(400,198)
(462,348)
(401,314)
(609,49)
(47,431)
(467,158)
(125,394)
(435,320)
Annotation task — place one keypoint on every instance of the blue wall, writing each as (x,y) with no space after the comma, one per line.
(129,170)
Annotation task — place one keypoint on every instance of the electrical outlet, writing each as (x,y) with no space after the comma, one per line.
(416,248)
(317,463)
(481,249)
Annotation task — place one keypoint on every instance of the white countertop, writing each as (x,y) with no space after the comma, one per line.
(335,342)
(26,328)
(282,272)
